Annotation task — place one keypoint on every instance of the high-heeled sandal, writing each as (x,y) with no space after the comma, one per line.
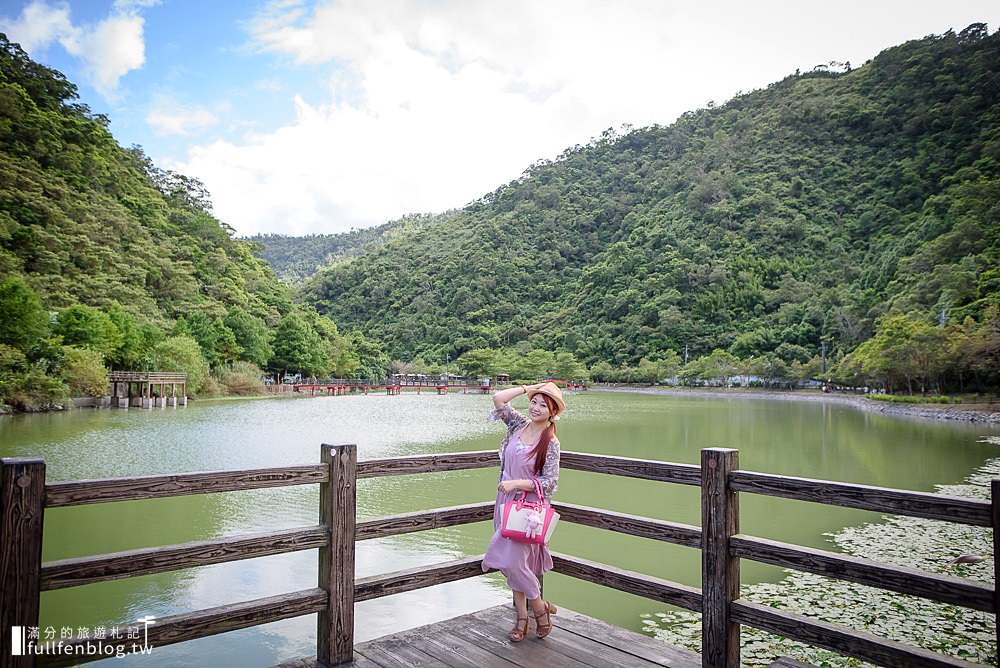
(542,630)
(517,633)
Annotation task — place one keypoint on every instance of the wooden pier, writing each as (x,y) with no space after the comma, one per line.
(480,640)
(136,388)
(25,498)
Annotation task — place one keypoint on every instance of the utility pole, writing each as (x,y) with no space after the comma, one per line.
(823,348)
(685,354)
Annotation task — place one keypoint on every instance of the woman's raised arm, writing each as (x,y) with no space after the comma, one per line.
(505,396)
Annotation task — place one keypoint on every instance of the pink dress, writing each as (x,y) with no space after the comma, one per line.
(521,563)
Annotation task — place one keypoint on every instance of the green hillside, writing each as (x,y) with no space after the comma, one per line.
(802,215)
(295,259)
(108,261)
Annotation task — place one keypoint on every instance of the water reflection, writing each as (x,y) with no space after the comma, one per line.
(792,438)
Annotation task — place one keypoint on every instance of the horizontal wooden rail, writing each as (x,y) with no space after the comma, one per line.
(647,469)
(373,468)
(633,525)
(208,622)
(630,582)
(901,579)
(850,642)
(146,561)
(865,497)
(387,584)
(421,521)
(80,492)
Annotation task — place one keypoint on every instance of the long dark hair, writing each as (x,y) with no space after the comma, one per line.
(542,447)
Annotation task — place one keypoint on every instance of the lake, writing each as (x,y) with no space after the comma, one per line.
(798,438)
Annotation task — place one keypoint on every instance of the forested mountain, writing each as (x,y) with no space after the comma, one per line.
(295,259)
(107,260)
(792,217)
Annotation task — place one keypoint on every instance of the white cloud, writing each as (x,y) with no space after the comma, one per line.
(39,25)
(428,106)
(168,117)
(107,50)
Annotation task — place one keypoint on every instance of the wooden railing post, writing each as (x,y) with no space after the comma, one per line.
(337,510)
(720,572)
(22,503)
(995,508)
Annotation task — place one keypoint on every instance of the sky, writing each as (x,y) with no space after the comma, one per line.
(322,116)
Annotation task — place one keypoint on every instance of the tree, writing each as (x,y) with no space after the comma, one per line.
(133,346)
(84,372)
(24,320)
(218,343)
(720,365)
(479,363)
(669,363)
(86,327)
(647,372)
(296,346)
(182,353)
(568,367)
(602,372)
(532,366)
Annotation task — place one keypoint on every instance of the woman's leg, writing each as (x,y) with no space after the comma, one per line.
(520,629)
(543,611)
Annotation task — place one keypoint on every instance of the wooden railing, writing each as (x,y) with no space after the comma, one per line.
(24,497)
(146,376)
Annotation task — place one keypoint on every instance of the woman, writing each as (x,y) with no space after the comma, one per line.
(529,454)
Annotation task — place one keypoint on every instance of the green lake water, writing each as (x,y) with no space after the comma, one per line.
(798,438)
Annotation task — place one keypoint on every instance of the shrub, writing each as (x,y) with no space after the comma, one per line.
(240,379)
(84,372)
(182,353)
(916,399)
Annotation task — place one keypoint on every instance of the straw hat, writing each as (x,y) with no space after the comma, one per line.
(550,390)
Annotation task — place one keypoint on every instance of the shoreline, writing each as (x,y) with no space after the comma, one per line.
(907,410)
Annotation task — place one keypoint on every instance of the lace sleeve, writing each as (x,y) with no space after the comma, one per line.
(549,476)
(510,417)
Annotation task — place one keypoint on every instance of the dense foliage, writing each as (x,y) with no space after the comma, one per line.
(101,251)
(811,214)
(295,259)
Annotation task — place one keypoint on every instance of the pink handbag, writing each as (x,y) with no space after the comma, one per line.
(529,521)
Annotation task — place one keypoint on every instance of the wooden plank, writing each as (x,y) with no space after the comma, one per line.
(398,654)
(118,565)
(995,516)
(338,511)
(421,521)
(849,642)
(311,662)
(943,588)
(427,463)
(641,647)
(450,650)
(79,492)
(22,493)
(387,584)
(630,582)
(485,643)
(683,474)
(788,662)
(488,628)
(633,525)
(720,570)
(204,623)
(865,497)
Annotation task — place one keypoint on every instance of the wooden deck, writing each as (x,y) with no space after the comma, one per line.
(479,640)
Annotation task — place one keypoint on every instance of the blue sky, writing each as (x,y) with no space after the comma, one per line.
(311,116)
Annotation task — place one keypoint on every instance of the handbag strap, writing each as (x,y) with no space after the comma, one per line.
(538,489)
